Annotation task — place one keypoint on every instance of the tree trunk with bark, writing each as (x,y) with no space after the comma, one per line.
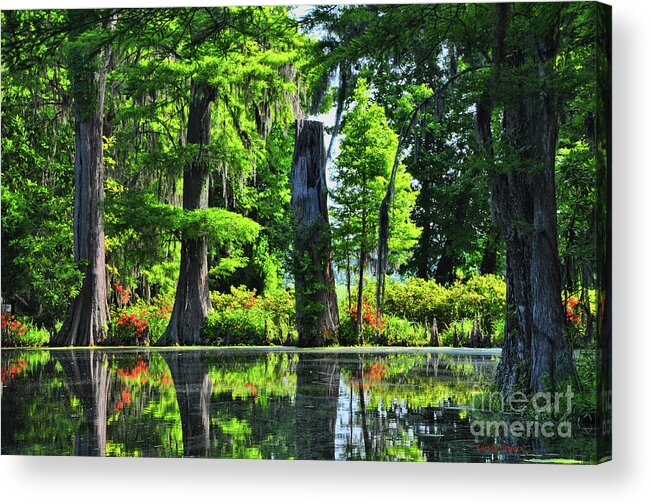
(88,316)
(536,354)
(317,314)
(192,301)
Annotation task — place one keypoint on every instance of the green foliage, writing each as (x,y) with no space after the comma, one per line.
(462,327)
(243,318)
(482,296)
(363,171)
(401,332)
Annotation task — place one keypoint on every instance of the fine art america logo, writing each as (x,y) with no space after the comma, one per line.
(544,405)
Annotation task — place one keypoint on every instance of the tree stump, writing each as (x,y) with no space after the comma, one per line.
(434,334)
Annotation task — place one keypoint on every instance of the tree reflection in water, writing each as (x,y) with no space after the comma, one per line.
(87,379)
(335,405)
(317,394)
(193,391)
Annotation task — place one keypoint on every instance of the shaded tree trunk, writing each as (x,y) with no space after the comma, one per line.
(317,314)
(422,258)
(88,315)
(536,354)
(360,284)
(192,301)
(350,297)
(443,274)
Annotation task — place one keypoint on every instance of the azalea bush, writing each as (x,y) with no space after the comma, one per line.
(130,329)
(18,333)
(579,320)
(371,326)
(140,323)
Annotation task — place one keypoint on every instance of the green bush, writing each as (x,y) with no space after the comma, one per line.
(243,318)
(401,332)
(417,300)
(347,336)
(497,337)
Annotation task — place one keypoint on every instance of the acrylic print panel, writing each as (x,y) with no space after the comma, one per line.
(375,232)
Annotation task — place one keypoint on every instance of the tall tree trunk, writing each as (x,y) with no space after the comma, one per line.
(88,315)
(444,267)
(360,293)
(192,301)
(489,256)
(350,301)
(536,354)
(317,314)
(422,256)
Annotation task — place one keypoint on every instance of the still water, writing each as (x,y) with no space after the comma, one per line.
(376,404)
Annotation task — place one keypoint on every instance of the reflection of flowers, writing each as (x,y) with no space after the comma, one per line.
(13,370)
(372,377)
(141,374)
(253,389)
(126,400)
(377,371)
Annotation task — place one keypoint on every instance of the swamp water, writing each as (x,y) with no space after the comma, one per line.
(280,403)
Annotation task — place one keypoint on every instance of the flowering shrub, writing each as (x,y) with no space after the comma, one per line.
(130,329)
(371,326)
(124,294)
(12,328)
(368,317)
(140,323)
(573,311)
(16,333)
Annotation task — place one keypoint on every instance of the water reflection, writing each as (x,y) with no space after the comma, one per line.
(317,394)
(87,380)
(228,403)
(193,387)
